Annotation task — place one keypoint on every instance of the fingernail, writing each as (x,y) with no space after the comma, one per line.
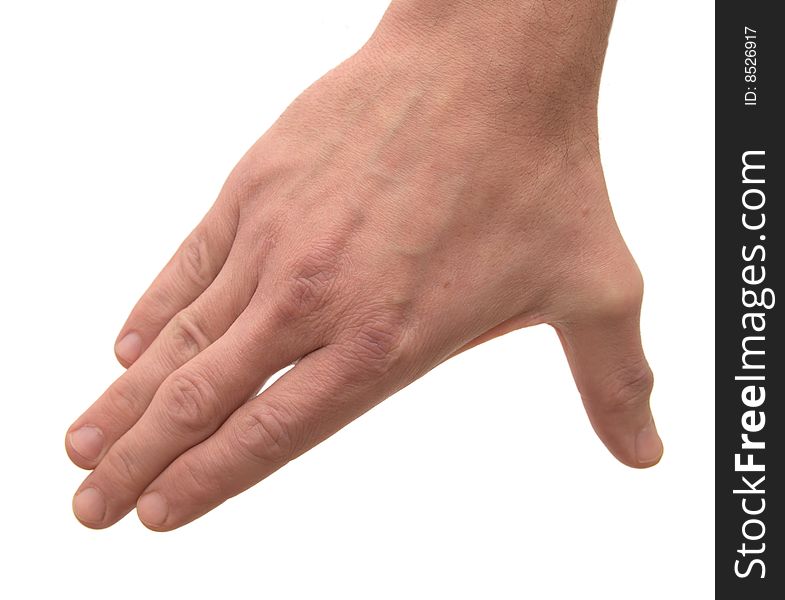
(87,442)
(152,509)
(89,506)
(648,446)
(129,348)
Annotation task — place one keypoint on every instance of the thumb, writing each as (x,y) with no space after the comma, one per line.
(605,355)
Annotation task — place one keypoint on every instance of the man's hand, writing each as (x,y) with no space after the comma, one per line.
(440,188)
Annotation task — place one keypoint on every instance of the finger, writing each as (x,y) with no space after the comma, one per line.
(312,401)
(188,333)
(614,379)
(188,407)
(194,266)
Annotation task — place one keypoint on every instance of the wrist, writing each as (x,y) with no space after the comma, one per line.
(544,58)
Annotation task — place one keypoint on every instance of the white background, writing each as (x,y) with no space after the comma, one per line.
(118,124)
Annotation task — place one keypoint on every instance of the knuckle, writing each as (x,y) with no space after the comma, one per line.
(124,399)
(629,388)
(266,434)
(154,303)
(620,296)
(194,261)
(187,334)
(248,181)
(188,402)
(123,467)
(238,182)
(194,471)
(375,346)
(310,280)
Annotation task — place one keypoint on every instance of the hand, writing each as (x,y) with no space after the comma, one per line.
(423,197)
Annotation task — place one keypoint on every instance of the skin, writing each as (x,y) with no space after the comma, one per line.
(438,189)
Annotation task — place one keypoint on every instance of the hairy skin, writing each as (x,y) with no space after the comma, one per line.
(440,188)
